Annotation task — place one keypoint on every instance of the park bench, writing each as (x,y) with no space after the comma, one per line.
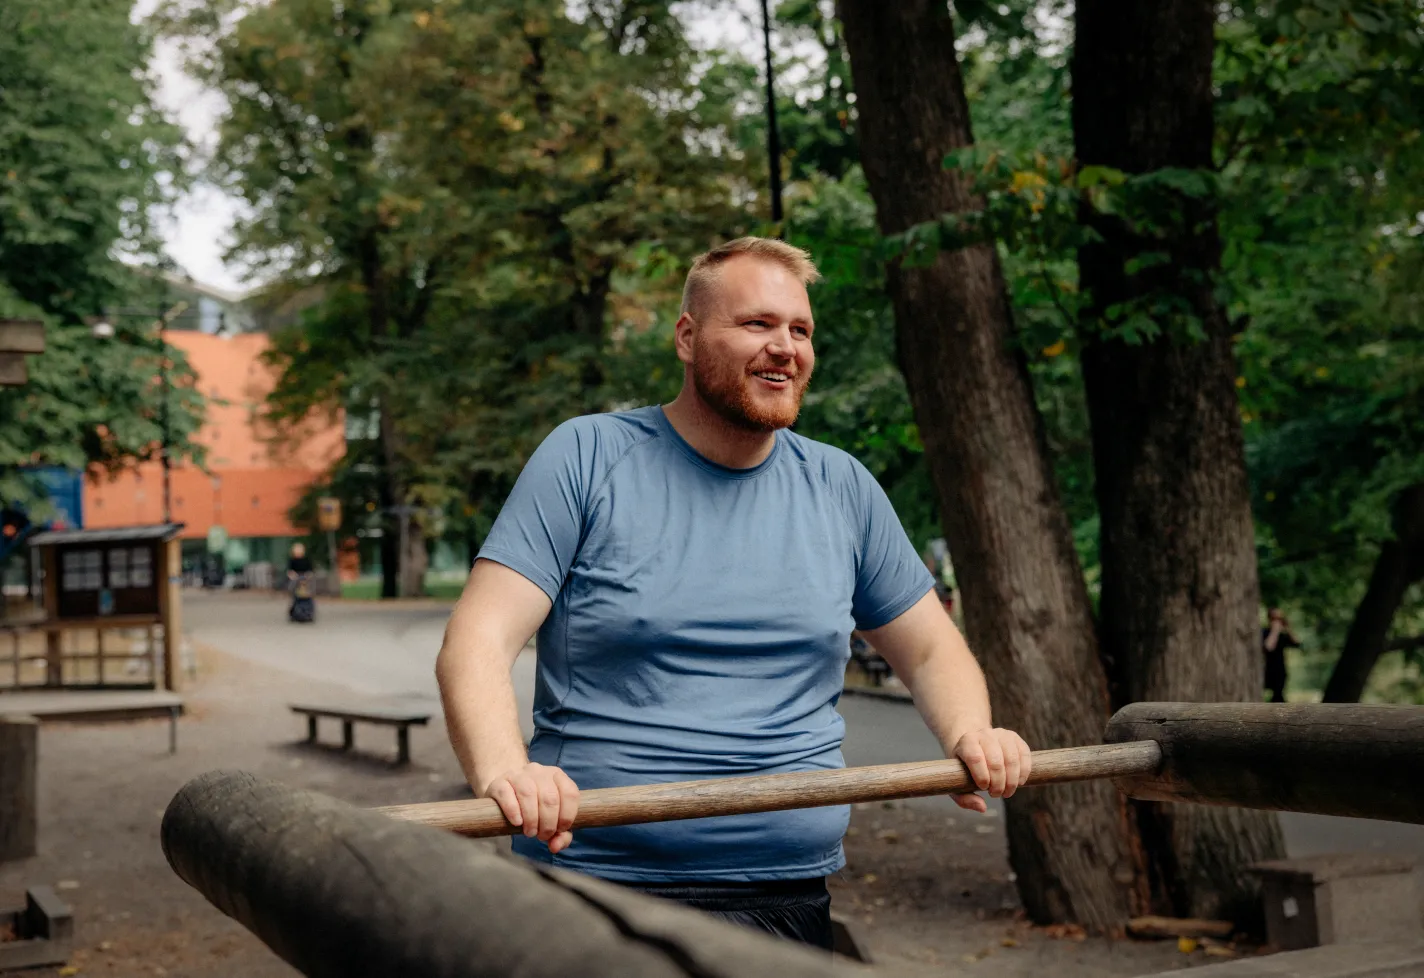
(402,718)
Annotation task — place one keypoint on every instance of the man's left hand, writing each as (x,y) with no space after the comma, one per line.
(999,762)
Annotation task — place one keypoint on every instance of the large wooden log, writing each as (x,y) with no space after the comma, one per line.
(1365,761)
(19,758)
(340,891)
(482,818)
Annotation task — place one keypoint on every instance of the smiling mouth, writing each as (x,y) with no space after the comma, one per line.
(774,376)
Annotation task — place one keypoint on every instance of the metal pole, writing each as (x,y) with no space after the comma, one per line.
(773,137)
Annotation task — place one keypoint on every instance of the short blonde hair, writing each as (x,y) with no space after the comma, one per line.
(703,273)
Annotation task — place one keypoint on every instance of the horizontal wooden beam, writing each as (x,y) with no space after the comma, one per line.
(21,336)
(337,891)
(13,372)
(1365,761)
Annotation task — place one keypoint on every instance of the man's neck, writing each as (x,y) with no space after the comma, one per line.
(713,436)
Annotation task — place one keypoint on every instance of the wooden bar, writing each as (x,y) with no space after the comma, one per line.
(481,817)
(99,638)
(1365,761)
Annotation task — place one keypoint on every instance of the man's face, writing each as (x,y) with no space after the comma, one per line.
(750,351)
(299,551)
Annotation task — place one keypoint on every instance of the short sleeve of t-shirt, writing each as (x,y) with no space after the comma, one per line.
(891,576)
(538,530)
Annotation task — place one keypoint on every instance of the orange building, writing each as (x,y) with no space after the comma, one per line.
(251,482)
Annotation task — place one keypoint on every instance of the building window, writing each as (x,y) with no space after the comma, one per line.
(140,567)
(118,568)
(82,571)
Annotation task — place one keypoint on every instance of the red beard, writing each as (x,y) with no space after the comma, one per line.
(727,389)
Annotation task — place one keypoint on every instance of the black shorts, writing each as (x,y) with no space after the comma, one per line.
(799,910)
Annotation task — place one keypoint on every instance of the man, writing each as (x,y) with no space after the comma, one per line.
(694,571)
(299,563)
(1276,637)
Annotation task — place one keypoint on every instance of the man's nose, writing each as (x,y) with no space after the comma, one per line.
(779,343)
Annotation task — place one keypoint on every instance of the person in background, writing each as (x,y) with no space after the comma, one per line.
(1276,637)
(300,563)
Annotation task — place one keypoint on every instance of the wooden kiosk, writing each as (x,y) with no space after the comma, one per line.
(101,581)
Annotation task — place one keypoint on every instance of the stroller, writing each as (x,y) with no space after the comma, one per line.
(303,609)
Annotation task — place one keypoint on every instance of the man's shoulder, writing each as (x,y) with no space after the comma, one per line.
(614,427)
(600,440)
(836,466)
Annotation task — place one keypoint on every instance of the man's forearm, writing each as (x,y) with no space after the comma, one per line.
(949,691)
(481,712)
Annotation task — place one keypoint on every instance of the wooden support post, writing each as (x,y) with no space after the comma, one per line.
(170,604)
(348,734)
(99,638)
(1365,761)
(19,758)
(311,729)
(54,653)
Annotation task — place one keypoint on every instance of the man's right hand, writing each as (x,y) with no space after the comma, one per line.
(542,800)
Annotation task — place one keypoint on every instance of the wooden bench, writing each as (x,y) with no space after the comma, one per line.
(400,718)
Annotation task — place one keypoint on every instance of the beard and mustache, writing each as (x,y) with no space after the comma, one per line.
(726,388)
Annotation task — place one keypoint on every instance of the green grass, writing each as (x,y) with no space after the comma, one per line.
(369,589)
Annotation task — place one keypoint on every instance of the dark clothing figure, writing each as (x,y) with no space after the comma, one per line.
(1276,662)
(299,565)
(799,910)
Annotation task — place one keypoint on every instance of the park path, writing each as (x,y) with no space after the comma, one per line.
(389,649)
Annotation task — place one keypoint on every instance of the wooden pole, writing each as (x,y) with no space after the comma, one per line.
(54,652)
(168,568)
(481,817)
(19,758)
(1350,759)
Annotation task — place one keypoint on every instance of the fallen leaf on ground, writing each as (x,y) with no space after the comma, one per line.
(889,835)
(1187,945)
(67,885)
(869,878)
(1008,942)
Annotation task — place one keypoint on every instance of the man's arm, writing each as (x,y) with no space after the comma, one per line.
(499,611)
(932,660)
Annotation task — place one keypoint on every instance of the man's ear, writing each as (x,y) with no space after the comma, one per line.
(683,331)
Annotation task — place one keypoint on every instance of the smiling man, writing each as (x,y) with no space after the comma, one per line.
(694,571)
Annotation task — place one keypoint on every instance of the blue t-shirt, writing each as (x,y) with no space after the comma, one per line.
(700,629)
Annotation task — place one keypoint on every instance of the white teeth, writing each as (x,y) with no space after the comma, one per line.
(771,376)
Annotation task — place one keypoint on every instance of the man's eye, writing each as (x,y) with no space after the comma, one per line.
(802,330)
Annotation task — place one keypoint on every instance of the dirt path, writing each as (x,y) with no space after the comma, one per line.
(924,888)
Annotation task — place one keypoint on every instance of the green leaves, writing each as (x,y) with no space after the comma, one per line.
(84,156)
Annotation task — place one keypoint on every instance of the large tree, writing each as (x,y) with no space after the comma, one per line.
(1027,611)
(85,157)
(474,196)
(1179,601)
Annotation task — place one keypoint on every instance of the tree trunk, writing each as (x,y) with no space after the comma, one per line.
(1400,564)
(1179,600)
(1026,607)
(414,561)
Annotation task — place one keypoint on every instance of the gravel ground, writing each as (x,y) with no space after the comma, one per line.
(926,890)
